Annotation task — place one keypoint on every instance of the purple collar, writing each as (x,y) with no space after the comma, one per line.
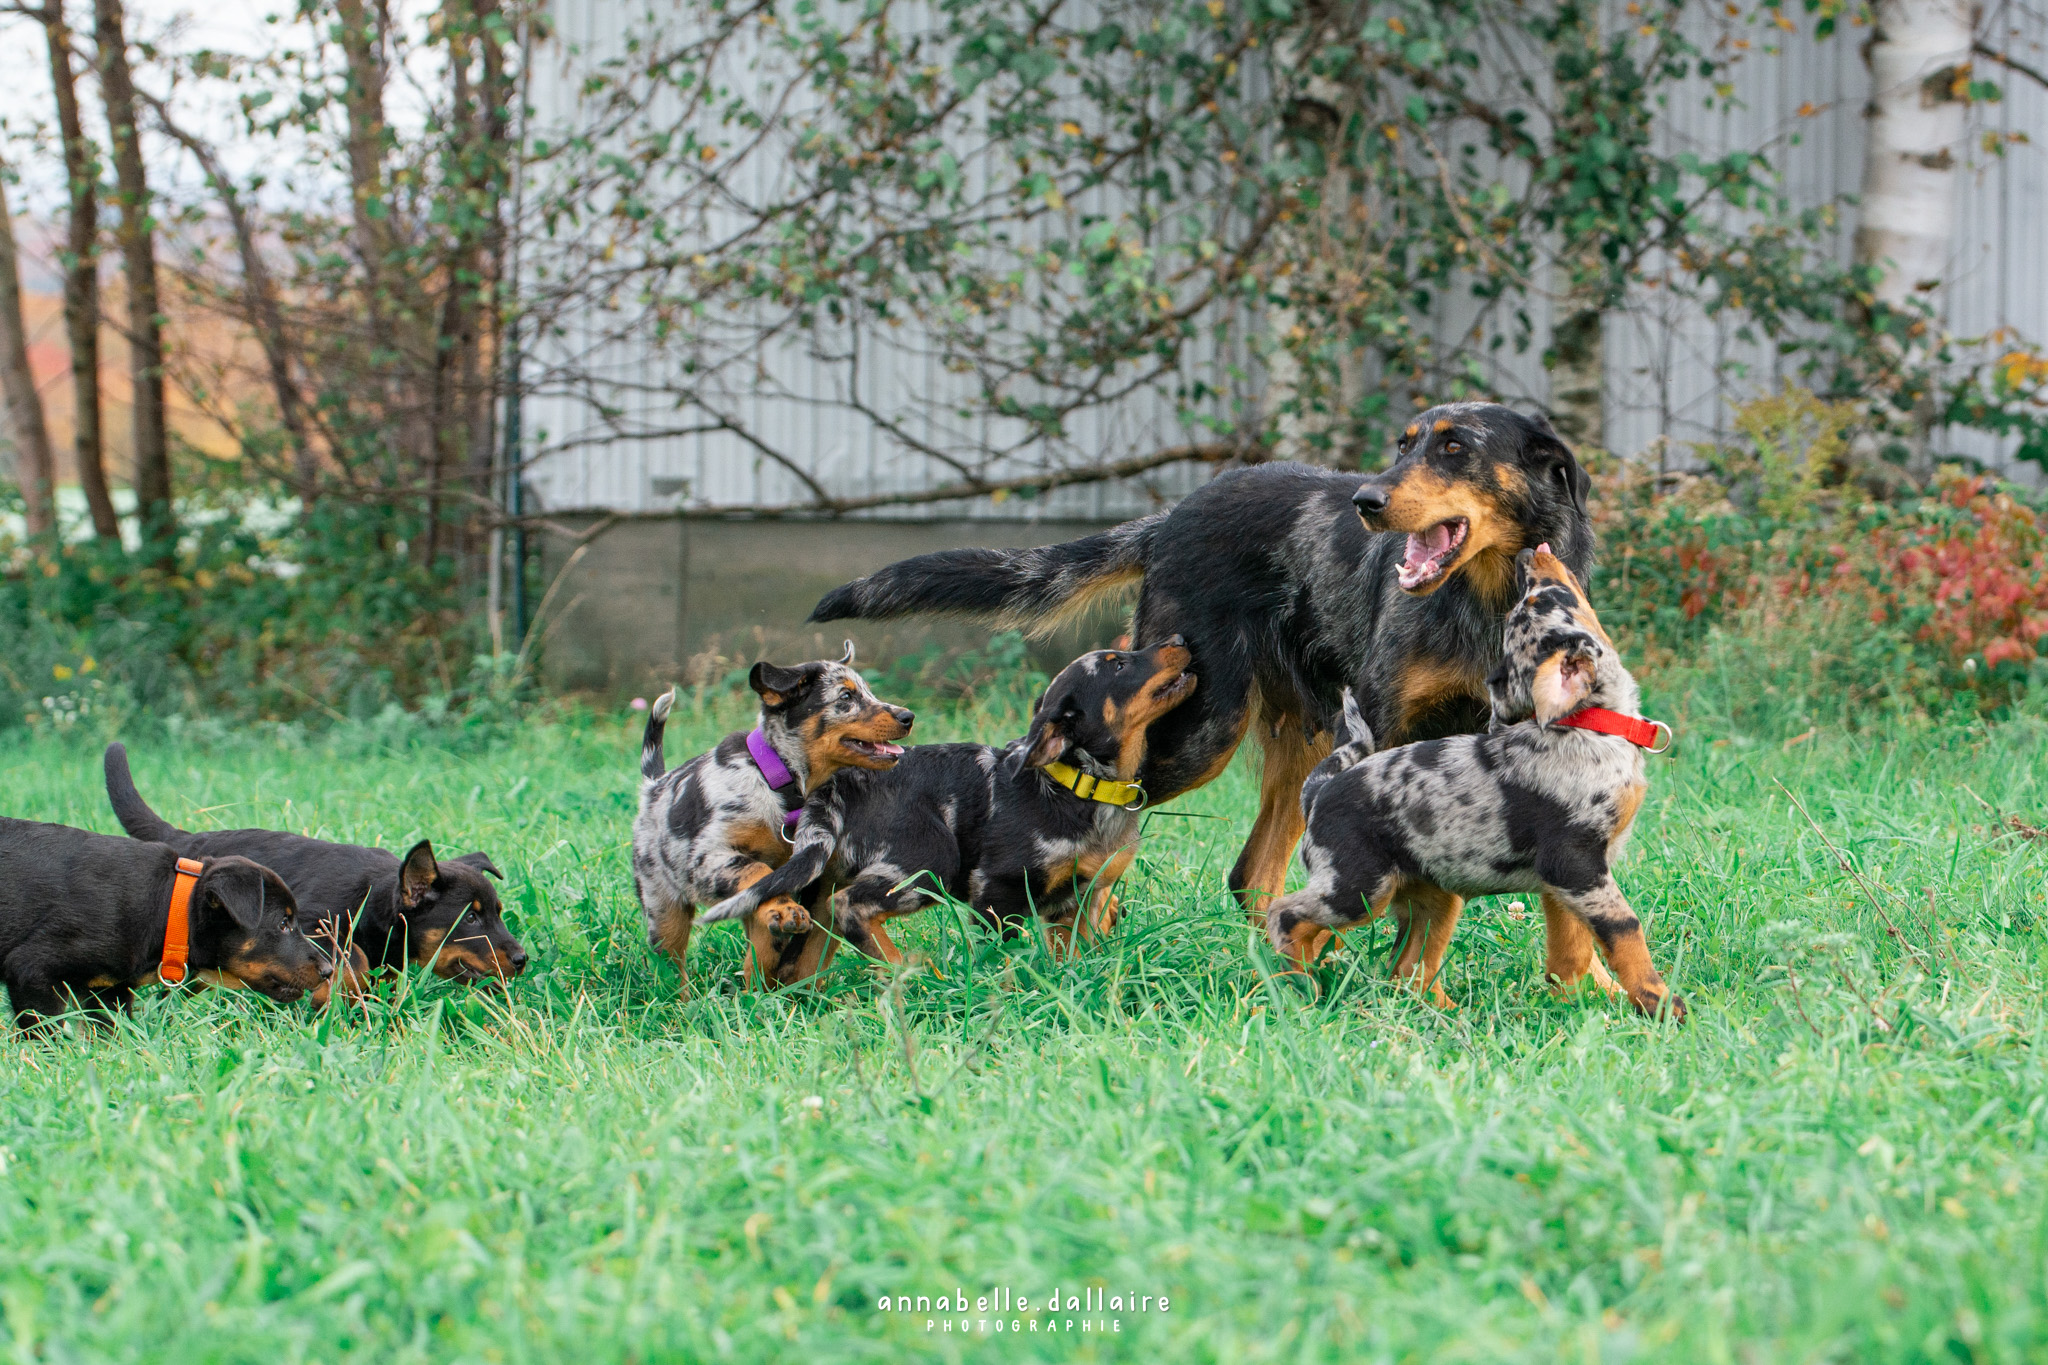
(774,770)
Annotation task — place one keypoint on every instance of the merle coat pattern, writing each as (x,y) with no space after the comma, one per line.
(989,826)
(1291,583)
(712,827)
(1528,807)
(373,910)
(83,915)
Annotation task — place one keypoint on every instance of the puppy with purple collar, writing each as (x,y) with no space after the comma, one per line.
(714,826)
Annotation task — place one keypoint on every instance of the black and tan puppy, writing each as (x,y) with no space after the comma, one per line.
(717,824)
(1542,803)
(1022,831)
(83,921)
(386,911)
(1291,583)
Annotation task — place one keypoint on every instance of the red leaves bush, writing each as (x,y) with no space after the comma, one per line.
(1969,574)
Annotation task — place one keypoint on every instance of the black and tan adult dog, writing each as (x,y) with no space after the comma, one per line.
(1024,831)
(1291,583)
(384,910)
(83,919)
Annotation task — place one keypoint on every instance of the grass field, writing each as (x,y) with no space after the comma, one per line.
(1840,1157)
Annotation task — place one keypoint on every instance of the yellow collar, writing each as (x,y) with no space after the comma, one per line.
(1129,795)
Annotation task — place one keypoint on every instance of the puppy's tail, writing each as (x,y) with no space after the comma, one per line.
(1354,746)
(817,834)
(129,808)
(650,742)
(1034,589)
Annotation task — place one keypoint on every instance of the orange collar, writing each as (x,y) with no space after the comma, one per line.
(178,929)
(1637,731)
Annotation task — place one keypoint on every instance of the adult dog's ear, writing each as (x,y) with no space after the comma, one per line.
(1572,479)
(236,887)
(1562,683)
(775,684)
(417,875)
(481,862)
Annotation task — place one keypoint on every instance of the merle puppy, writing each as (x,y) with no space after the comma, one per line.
(384,910)
(721,822)
(83,920)
(1022,831)
(1541,803)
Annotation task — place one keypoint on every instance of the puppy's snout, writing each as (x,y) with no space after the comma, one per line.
(903,717)
(1176,642)
(1370,499)
(326,969)
(517,957)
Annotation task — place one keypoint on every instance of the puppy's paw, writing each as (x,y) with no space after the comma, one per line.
(784,916)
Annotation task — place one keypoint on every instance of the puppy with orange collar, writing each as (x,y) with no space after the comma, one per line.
(1540,803)
(719,823)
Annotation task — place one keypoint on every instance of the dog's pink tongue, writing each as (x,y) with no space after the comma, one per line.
(888,749)
(1424,546)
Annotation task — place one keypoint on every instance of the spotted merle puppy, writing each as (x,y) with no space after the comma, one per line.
(1541,803)
(1024,831)
(721,822)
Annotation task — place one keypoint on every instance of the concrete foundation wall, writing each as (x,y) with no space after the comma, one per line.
(661,599)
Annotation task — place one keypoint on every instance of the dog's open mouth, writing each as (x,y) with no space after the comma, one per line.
(1174,689)
(872,748)
(1430,553)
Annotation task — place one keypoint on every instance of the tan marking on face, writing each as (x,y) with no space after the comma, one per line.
(825,754)
(1511,480)
(1423,685)
(1149,705)
(225,980)
(1443,424)
(1414,430)
(1424,498)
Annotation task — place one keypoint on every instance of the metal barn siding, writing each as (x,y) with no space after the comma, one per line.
(1672,372)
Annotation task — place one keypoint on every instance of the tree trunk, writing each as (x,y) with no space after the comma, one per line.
(138,255)
(1577,359)
(36,469)
(1915,127)
(259,299)
(81,277)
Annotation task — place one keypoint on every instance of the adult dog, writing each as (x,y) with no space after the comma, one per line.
(1291,583)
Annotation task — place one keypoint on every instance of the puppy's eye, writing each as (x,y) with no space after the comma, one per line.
(1454,447)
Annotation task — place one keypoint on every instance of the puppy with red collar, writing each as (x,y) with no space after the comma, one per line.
(1540,803)
(719,823)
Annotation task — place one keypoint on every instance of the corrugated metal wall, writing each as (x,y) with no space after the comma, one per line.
(1672,371)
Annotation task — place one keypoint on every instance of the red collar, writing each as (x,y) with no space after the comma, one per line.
(1637,731)
(178,928)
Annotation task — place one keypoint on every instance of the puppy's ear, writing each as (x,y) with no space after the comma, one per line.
(417,875)
(238,888)
(1562,683)
(775,684)
(481,862)
(1043,743)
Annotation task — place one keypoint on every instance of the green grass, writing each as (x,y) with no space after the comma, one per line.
(1840,1157)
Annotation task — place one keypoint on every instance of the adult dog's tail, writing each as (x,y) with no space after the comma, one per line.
(1354,746)
(1034,589)
(650,740)
(129,808)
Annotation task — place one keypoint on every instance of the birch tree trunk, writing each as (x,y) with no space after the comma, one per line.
(1916,54)
(138,258)
(81,277)
(36,469)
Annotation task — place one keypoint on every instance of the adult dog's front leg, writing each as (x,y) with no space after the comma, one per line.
(1261,870)
(1570,950)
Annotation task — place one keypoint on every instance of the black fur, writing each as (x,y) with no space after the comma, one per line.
(82,920)
(1287,596)
(418,908)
